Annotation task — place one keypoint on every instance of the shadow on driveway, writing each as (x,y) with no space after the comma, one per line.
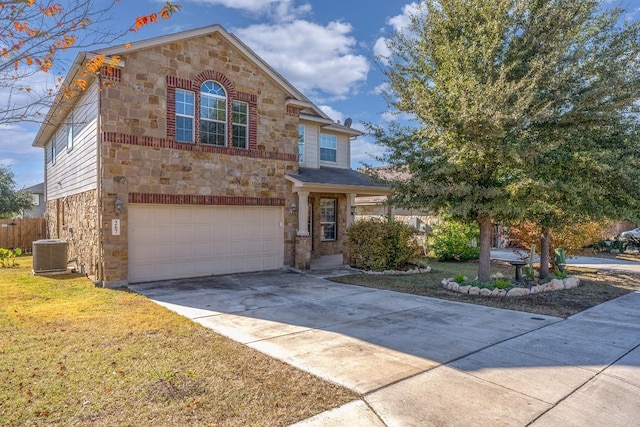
(413,358)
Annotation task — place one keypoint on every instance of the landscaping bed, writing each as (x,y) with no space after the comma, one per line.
(74,354)
(595,288)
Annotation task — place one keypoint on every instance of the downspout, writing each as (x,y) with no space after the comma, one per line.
(99,272)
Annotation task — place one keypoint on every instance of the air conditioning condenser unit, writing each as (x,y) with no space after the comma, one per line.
(49,255)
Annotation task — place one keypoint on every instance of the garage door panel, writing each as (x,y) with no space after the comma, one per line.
(169,241)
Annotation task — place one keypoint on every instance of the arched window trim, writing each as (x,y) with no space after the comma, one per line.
(215,122)
(174,83)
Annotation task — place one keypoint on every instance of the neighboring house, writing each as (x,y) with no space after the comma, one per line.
(38,209)
(194,157)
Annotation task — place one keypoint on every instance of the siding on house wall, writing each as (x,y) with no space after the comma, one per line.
(342,152)
(74,171)
(312,148)
(311,145)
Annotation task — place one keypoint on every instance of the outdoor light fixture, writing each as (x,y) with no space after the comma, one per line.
(293,208)
(118,204)
(353,210)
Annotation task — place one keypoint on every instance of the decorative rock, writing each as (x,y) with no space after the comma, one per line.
(485,292)
(543,287)
(474,290)
(499,276)
(445,282)
(502,293)
(534,290)
(518,292)
(455,287)
(571,282)
(555,285)
(495,292)
(464,289)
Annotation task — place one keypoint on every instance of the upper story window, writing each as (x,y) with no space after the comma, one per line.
(240,125)
(70,132)
(185,115)
(328,147)
(301,143)
(213,114)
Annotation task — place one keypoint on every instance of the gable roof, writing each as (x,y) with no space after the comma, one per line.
(60,109)
(36,189)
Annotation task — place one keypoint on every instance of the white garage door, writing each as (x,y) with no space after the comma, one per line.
(176,241)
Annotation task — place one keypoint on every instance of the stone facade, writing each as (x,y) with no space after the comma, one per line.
(142,162)
(75,219)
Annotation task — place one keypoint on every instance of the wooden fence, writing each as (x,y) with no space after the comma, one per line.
(21,233)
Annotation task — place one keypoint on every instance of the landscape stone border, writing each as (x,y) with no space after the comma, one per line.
(416,270)
(553,285)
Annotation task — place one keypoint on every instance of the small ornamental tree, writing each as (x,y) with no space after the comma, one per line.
(376,244)
(34,34)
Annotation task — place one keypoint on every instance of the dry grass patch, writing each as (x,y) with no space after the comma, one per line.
(595,288)
(74,354)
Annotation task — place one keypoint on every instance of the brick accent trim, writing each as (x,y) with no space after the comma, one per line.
(174,83)
(186,199)
(293,111)
(148,141)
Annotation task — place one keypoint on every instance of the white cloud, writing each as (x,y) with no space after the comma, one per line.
(382,88)
(389,116)
(279,10)
(334,115)
(364,151)
(381,50)
(400,22)
(311,56)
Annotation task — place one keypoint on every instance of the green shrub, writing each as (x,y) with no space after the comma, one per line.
(376,244)
(458,278)
(559,274)
(453,240)
(502,283)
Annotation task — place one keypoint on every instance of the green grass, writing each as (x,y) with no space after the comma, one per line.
(595,288)
(74,354)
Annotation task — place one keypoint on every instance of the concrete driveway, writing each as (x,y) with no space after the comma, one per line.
(420,361)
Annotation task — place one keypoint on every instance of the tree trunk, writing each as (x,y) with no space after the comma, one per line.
(545,243)
(484,266)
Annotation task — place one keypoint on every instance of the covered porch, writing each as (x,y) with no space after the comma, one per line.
(326,206)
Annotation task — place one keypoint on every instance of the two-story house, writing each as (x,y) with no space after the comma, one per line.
(191,156)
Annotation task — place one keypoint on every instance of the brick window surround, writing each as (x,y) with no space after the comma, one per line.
(174,83)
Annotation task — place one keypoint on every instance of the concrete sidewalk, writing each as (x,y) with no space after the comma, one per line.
(420,361)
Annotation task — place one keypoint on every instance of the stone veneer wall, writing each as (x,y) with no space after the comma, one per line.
(74,218)
(141,161)
(332,247)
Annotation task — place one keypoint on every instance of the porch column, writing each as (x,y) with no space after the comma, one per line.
(303,213)
(303,239)
(351,203)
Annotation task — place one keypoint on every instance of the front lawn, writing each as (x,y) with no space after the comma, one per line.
(74,354)
(595,288)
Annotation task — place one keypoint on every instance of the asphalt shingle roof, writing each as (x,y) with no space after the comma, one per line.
(335,176)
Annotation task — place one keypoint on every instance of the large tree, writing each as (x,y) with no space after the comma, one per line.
(483,81)
(34,34)
(12,200)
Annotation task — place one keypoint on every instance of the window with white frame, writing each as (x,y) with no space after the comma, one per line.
(301,143)
(185,115)
(328,210)
(328,147)
(213,114)
(240,125)
(70,132)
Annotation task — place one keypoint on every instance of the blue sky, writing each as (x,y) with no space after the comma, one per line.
(324,48)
